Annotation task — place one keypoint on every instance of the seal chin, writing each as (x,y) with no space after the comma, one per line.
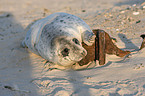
(66,62)
(73,60)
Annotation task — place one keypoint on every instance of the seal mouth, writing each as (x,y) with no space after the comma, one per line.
(67,58)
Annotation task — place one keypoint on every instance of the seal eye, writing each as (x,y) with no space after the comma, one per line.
(76,41)
(65,52)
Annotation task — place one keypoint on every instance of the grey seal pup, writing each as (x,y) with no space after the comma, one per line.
(58,37)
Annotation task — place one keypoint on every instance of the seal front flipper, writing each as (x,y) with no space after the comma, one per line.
(88,38)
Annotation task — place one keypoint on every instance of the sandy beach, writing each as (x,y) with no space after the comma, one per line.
(23,73)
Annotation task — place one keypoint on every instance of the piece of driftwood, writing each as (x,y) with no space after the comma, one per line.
(100,53)
(143,42)
(103,45)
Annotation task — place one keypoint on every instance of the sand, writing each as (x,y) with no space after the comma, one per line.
(23,73)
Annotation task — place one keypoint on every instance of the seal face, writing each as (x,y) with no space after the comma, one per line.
(58,38)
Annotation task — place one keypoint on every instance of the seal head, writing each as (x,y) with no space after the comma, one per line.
(67,50)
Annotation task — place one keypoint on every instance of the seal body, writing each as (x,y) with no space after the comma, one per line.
(58,37)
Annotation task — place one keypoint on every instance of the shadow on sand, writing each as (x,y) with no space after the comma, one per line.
(129,2)
(128,43)
(15,65)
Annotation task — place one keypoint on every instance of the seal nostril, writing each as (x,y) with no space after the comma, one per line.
(83,53)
